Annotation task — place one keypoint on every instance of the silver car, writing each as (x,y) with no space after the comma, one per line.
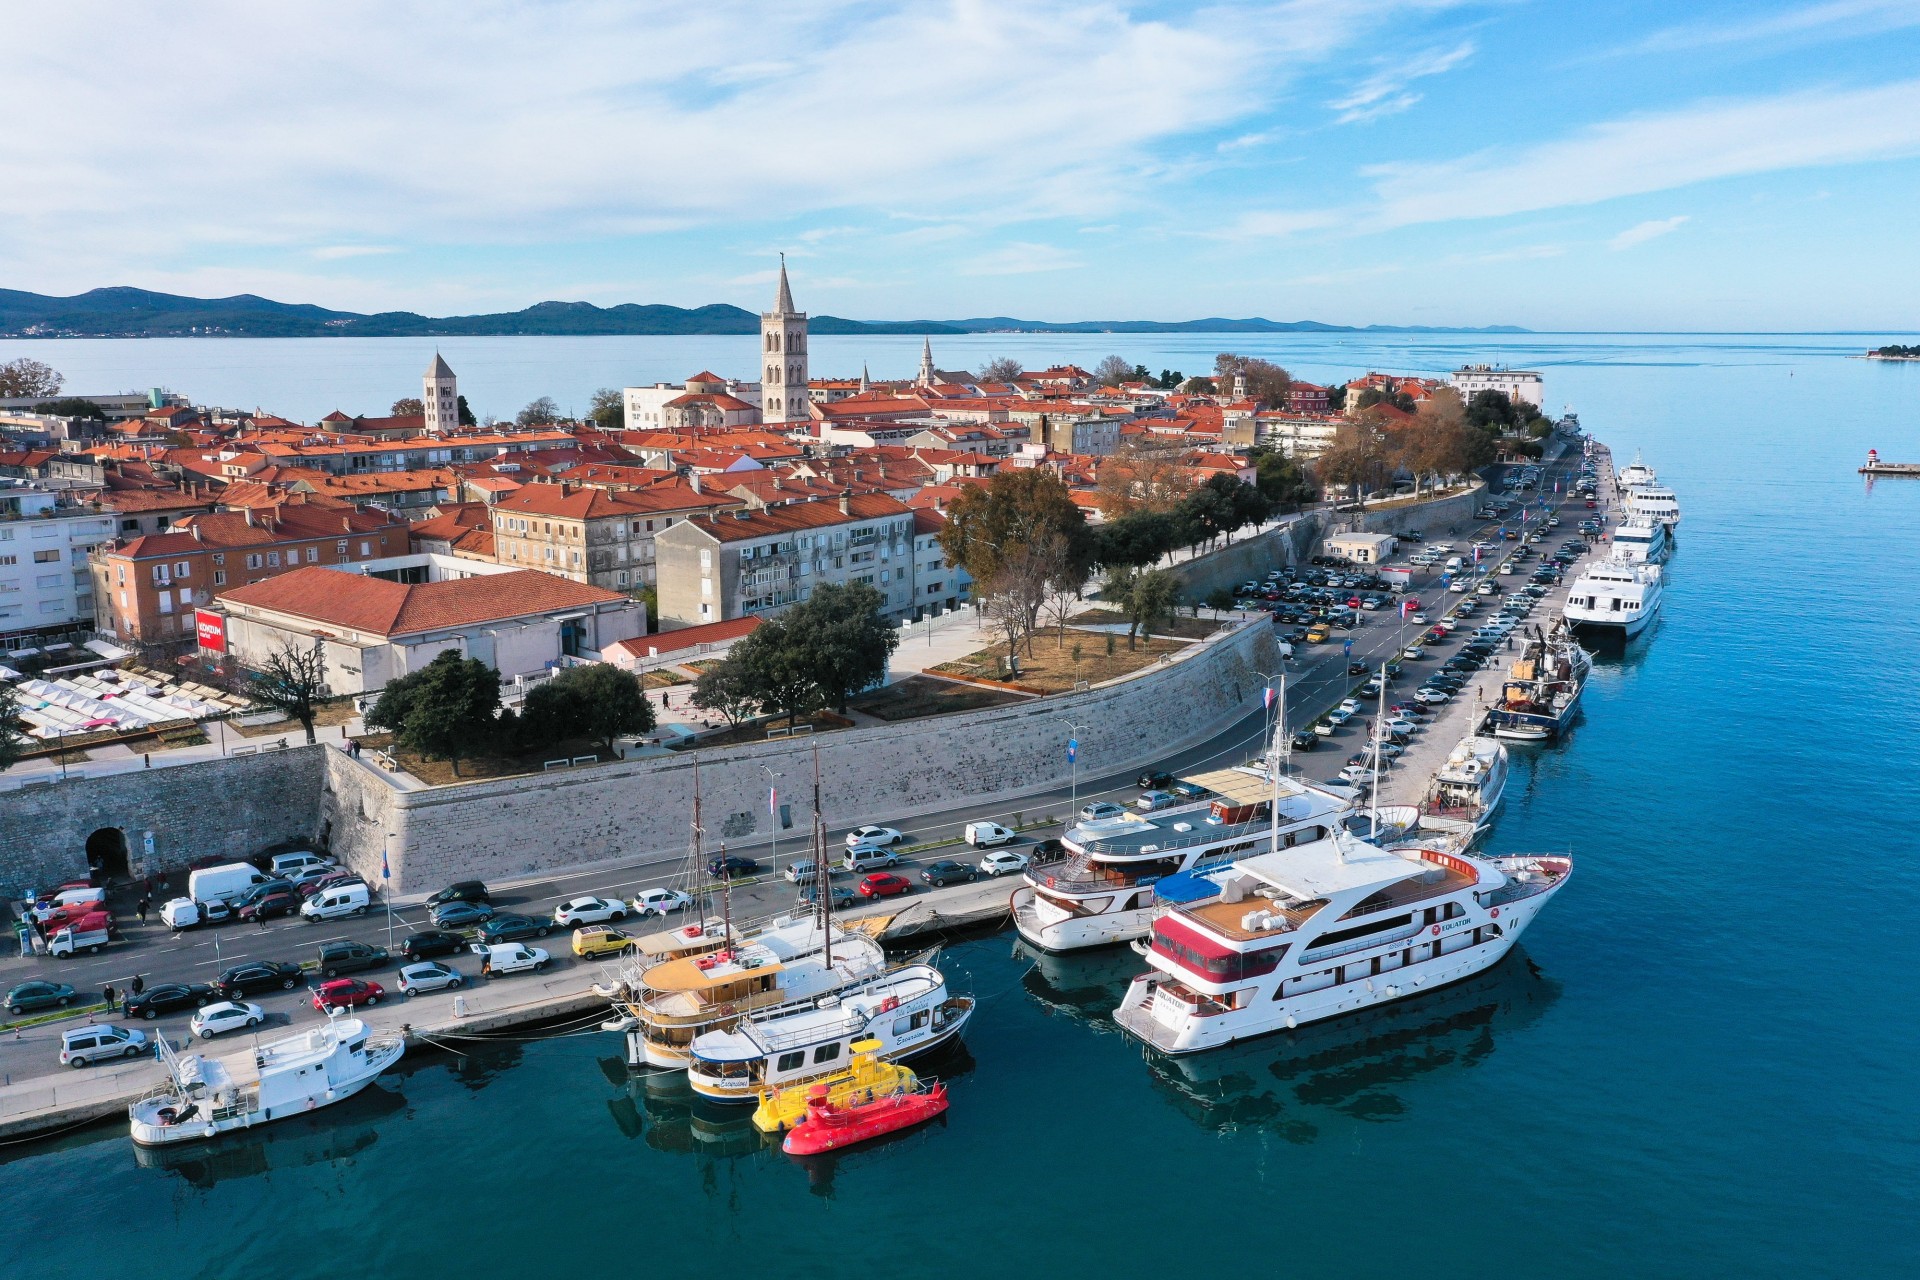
(429,975)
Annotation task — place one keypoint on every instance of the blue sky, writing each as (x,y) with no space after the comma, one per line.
(1635,165)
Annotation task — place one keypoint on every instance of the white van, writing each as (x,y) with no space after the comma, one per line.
(225,882)
(341,900)
(509,957)
(185,913)
(983,835)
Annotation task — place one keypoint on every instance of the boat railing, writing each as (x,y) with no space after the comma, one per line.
(1079,875)
(1361,944)
(1178,839)
(773,1041)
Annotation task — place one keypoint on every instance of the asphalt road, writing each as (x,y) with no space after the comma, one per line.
(1316,680)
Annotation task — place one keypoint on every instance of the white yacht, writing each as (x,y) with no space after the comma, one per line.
(1470,784)
(1615,598)
(1323,929)
(1641,541)
(1654,502)
(293,1076)
(1103,892)
(785,966)
(1634,473)
(907,1010)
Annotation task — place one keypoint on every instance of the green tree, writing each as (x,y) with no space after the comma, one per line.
(71,407)
(1021,508)
(13,739)
(1284,482)
(293,681)
(448,710)
(1135,540)
(466,414)
(408,407)
(1170,378)
(1221,599)
(724,688)
(539,413)
(607,410)
(840,639)
(23,377)
(1153,598)
(596,701)
(776,672)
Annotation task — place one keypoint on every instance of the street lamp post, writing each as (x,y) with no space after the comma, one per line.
(1073,763)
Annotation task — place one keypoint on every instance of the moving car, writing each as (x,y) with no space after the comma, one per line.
(595,941)
(981,835)
(578,911)
(1152,778)
(460,914)
(169,997)
(657,902)
(509,957)
(432,942)
(225,1015)
(429,975)
(1305,740)
(258,975)
(512,928)
(337,958)
(801,870)
(460,891)
(865,857)
(730,866)
(837,894)
(28,996)
(947,871)
(347,993)
(873,835)
(1006,862)
(884,884)
(82,1045)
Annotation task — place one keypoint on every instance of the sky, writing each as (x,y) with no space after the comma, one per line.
(1628,166)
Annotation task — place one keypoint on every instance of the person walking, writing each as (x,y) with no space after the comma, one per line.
(107,994)
(141,910)
(138,984)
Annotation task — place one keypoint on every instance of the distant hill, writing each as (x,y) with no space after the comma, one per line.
(140,313)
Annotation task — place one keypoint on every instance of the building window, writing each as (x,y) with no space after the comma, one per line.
(180,569)
(273,559)
(706,558)
(219,578)
(366,548)
(53,557)
(219,557)
(313,555)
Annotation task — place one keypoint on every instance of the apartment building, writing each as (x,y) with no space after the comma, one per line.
(602,537)
(46,536)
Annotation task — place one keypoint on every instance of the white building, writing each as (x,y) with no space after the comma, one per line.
(1300,436)
(46,583)
(667,406)
(440,395)
(1515,384)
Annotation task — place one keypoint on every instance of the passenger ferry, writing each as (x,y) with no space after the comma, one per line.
(908,1011)
(1641,541)
(784,966)
(1543,687)
(1634,473)
(1654,502)
(1470,784)
(1324,929)
(1103,892)
(1614,599)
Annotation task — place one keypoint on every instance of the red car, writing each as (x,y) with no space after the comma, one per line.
(282,903)
(346,993)
(884,884)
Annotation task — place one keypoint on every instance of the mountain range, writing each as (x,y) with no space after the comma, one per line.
(140,313)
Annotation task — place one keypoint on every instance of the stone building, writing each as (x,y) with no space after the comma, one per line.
(440,394)
(591,534)
(783,350)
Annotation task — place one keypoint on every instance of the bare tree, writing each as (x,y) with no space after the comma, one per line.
(1001,369)
(1112,371)
(294,681)
(24,377)
(1141,477)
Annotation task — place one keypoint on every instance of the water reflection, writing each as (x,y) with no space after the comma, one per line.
(1085,986)
(1353,1065)
(332,1136)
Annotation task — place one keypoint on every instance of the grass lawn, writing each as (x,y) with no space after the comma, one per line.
(439,773)
(822,722)
(919,696)
(334,714)
(1051,668)
(665,678)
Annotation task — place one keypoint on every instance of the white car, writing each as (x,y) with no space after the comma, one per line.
(310,872)
(228,1015)
(657,902)
(1339,715)
(1458,586)
(575,912)
(1003,863)
(873,835)
(1435,696)
(429,975)
(983,834)
(509,957)
(1401,725)
(1350,705)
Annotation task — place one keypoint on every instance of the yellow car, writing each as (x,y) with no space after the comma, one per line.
(591,944)
(1318,635)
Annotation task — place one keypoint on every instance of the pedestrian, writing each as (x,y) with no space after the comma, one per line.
(139,984)
(145,904)
(106,996)
(166,885)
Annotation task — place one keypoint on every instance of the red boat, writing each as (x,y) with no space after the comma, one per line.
(829,1128)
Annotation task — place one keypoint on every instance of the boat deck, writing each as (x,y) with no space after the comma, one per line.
(1226,917)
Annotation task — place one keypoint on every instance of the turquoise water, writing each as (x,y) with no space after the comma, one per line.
(1702,1063)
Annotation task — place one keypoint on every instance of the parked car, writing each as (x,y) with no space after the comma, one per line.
(282,903)
(1152,778)
(307,879)
(1099,811)
(1005,862)
(336,958)
(285,864)
(801,870)
(867,857)
(1305,740)
(260,891)
(185,913)
(100,1042)
(28,996)
(429,975)
(884,884)
(947,871)
(432,942)
(1152,801)
(223,1016)
(1189,790)
(731,866)
(575,912)
(838,895)
(509,957)
(595,941)
(873,835)
(982,835)
(461,914)
(347,993)
(258,975)
(168,997)
(460,891)
(512,928)
(657,902)
(337,901)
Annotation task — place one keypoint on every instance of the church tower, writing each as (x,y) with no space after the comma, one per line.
(783,351)
(440,394)
(926,376)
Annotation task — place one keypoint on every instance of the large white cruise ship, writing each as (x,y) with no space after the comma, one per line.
(1614,597)
(1655,503)
(1103,892)
(1642,542)
(1635,472)
(1323,929)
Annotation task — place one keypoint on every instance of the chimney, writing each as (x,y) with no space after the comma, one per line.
(693,478)
(346,523)
(566,489)
(846,502)
(194,529)
(249,515)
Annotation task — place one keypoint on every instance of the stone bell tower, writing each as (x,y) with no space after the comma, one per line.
(783,353)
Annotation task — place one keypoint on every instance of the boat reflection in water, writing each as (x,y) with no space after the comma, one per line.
(331,1136)
(1084,986)
(1349,1065)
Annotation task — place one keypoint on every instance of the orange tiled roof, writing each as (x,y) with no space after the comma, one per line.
(350,601)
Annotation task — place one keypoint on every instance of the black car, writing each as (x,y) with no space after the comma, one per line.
(168,997)
(460,891)
(945,873)
(337,958)
(1305,740)
(459,914)
(432,942)
(260,891)
(1356,668)
(512,928)
(1048,850)
(1151,779)
(259,975)
(730,866)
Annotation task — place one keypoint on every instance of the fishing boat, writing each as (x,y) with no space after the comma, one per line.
(1543,688)
(206,1096)
(908,1011)
(1323,929)
(1469,785)
(832,1127)
(867,1077)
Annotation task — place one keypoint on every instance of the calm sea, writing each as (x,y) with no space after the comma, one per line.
(1703,1064)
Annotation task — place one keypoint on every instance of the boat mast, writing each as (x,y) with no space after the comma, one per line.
(695,872)
(822,874)
(1274,769)
(1379,736)
(726,900)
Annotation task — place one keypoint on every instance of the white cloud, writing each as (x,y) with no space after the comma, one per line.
(1385,92)
(1019,259)
(1657,153)
(333,252)
(1640,233)
(1838,20)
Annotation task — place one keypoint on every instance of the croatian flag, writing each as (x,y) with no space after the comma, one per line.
(1408,606)
(385,872)
(773,801)
(1476,552)
(1267,700)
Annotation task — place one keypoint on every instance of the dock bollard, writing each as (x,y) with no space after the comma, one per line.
(459,1006)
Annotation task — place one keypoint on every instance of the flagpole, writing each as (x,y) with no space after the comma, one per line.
(773,813)
(386,886)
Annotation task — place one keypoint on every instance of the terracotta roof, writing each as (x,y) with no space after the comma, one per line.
(591,502)
(765,522)
(354,602)
(685,638)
